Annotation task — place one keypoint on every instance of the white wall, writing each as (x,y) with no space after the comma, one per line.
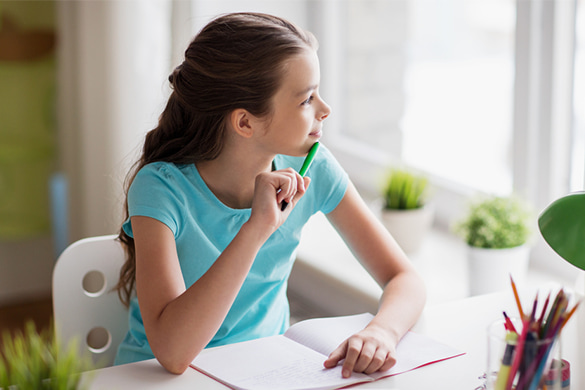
(115,59)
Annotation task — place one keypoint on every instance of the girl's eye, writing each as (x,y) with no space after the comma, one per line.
(308,101)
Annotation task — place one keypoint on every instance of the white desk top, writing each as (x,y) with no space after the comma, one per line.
(461,324)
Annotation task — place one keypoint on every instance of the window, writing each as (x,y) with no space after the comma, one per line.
(429,84)
(459,92)
(473,92)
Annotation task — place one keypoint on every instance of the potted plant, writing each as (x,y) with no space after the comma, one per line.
(497,231)
(405,211)
(35,360)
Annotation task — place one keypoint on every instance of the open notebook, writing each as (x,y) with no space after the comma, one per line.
(295,359)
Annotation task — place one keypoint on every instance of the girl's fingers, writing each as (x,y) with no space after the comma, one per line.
(365,358)
(389,363)
(302,186)
(285,184)
(381,361)
(336,356)
(361,354)
(354,346)
(271,189)
(291,186)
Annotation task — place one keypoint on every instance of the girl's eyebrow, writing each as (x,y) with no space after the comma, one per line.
(306,90)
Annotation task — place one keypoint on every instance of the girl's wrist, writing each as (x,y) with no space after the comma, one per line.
(389,332)
(256,232)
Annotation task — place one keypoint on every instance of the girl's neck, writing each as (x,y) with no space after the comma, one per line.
(231,176)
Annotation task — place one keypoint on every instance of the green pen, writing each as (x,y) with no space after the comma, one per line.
(305,167)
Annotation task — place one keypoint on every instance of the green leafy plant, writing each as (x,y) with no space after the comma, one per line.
(404,190)
(496,222)
(34,360)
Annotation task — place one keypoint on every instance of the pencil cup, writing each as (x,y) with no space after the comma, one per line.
(518,362)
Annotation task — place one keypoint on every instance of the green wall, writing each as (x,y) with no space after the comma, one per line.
(27,116)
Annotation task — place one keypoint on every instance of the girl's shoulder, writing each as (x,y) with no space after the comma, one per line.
(173,177)
(165,170)
(158,166)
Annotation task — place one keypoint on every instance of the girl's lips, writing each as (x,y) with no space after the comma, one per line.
(317,134)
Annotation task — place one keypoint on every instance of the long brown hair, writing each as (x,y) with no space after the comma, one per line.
(236,61)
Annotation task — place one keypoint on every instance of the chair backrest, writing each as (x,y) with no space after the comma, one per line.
(84,305)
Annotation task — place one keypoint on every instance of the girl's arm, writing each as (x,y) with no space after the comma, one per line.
(403,295)
(180,321)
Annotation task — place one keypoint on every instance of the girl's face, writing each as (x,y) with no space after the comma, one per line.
(297,109)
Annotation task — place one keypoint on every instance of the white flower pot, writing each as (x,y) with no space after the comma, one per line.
(490,269)
(408,227)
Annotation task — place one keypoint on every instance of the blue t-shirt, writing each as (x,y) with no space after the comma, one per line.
(203,226)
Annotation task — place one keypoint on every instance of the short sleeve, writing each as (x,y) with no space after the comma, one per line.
(154,193)
(330,181)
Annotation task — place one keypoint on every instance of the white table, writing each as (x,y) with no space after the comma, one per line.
(461,324)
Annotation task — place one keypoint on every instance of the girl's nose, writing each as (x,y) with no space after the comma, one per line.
(325,112)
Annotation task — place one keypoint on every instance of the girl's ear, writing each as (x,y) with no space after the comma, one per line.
(242,122)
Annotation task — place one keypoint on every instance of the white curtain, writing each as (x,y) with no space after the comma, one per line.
(114,59)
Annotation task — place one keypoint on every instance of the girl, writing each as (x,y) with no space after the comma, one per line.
(209,247)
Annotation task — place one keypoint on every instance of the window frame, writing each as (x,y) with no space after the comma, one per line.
(543,120)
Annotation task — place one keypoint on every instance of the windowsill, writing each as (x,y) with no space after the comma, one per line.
(328,278)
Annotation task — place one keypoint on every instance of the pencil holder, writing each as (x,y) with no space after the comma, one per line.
(522,359)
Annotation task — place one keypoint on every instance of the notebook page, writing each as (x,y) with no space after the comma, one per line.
(415,350)
(259,364)
(325,334)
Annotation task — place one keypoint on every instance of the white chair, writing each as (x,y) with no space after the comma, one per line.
(84,305)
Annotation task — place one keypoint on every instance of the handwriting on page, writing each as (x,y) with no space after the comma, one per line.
(272,360)
(296,375)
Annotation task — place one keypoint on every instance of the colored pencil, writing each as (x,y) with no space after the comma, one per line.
(509,324)
(568,316)
(518,355)
(518,303)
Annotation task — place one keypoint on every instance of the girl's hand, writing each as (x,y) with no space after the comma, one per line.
(370,350)
(270,190)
